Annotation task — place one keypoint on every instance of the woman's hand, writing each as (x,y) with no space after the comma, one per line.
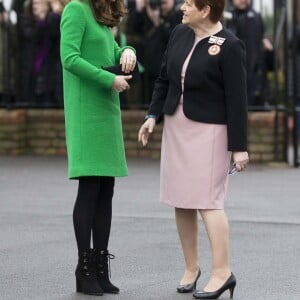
(120,83)
(267,45)
(128,60)
(140,5)
(145,131)
(56,6)
(240,160)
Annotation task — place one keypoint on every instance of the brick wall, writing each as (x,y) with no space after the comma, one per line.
(13,131)
(261,137)
(41,131)
(46,132)
(132,120)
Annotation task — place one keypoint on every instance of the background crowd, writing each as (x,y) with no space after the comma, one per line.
(30,69)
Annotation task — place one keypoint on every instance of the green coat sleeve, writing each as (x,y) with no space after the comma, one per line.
(72,29)
(119,50)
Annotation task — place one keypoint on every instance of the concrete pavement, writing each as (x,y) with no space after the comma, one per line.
(37,244)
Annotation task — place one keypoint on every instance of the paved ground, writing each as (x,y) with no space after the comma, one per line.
(37,246)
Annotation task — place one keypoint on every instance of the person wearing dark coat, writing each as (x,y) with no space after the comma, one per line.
(151,22)
(40,67)
(248,26)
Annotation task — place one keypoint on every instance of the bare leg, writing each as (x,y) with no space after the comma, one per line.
(217,228)
(187,226)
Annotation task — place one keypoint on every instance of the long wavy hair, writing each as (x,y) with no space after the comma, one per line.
(108,12)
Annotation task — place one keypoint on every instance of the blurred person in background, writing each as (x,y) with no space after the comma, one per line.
(292,64)
(3,21)
(150,24)
(40,68)
(247,25)
(8,48)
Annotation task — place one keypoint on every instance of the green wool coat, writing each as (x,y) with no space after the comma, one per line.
(92,109)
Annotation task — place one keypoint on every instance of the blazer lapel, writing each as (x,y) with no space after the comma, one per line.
(180,49)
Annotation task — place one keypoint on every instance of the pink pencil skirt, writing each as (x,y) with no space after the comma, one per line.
(194,163)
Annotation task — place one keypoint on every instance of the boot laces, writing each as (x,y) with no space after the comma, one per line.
(109,257)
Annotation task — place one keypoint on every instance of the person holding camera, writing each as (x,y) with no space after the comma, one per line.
(150,24)
(247,25)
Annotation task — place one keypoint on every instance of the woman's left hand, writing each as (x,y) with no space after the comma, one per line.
(240,160)
(128,60)
(56,6)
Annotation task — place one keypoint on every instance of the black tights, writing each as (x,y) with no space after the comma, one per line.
(93,211)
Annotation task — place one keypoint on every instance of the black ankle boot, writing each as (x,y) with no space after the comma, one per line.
(86,277)
(102,260)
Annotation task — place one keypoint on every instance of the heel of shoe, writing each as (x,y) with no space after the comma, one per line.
(197,278)
(231,290)
(195,285)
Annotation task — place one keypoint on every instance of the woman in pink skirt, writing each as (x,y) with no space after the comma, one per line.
(201,92)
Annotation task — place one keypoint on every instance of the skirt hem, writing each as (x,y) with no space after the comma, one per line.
(198,208)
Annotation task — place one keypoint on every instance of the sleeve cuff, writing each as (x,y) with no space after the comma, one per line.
(150,117)
(108,79)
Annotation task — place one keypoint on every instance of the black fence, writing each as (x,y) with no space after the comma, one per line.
(283,96)
(287,75)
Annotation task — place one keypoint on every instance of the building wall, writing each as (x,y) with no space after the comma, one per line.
(42,132)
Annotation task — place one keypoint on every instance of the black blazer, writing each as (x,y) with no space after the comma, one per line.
(215,88)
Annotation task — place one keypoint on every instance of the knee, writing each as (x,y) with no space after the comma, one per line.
(183,212)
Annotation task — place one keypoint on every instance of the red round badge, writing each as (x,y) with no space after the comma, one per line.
(214,50)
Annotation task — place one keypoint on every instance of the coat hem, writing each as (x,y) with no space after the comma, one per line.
(103,174)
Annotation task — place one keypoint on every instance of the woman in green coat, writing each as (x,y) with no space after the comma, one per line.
(93,129)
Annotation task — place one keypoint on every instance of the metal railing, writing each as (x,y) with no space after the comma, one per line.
(285,29)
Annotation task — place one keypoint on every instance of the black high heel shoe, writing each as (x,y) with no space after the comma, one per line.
(189,288)
(228,285)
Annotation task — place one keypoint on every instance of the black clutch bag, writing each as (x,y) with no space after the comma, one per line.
(117,69)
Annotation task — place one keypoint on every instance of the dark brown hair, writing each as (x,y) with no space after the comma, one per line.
(216,8)
(108,12)
(28,8)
